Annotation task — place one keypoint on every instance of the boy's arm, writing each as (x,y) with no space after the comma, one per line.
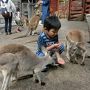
(50,47)
(53,46)
(40,43)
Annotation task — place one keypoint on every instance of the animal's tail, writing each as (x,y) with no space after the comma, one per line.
(31,41)
(20,37)
(25,77)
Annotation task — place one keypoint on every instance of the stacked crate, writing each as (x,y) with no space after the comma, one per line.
(76,10)
(87,6)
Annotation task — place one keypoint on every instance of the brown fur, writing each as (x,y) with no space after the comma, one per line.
(33,22)
(75,42)
(75,35)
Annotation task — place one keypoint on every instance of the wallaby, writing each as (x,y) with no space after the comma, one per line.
(33,23)
(75,46)
(30,24)
(16,58)
(8,67)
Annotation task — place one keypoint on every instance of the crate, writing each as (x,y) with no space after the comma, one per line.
(87,6)
(76,10)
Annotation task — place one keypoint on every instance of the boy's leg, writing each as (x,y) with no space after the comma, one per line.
(59,58)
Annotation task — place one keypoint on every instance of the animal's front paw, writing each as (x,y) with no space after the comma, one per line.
(75,62)
(36,81)
(83,64)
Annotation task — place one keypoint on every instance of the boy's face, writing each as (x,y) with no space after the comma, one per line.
(52,33)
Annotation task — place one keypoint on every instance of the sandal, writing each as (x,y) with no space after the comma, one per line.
(61,61)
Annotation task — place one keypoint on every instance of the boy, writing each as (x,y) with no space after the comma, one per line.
(49,39)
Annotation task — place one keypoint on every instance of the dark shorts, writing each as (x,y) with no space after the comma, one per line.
(60,50)
(51,52)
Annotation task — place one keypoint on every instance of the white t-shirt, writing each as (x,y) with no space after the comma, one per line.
(9,5)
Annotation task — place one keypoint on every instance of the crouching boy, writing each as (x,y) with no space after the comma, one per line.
(49,39)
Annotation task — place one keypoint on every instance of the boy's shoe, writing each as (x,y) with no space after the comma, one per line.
(40,54)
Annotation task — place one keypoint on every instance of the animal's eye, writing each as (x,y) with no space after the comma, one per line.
(74,48)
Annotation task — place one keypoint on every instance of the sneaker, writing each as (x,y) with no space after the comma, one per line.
(40,54)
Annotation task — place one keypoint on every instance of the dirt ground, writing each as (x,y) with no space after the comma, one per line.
(71,77)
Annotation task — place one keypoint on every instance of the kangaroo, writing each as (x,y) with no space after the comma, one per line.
(8,67)
(75,46)
(16,58)
(33,23)
(30,24)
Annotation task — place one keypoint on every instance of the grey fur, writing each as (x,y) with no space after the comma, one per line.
(15,59)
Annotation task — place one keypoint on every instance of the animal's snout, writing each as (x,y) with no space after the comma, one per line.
(74,48)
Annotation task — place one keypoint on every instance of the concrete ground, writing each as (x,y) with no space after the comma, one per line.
(72,77)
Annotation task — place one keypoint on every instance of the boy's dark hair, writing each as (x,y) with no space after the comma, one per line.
(52,22)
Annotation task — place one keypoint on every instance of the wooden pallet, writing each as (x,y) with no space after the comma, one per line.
(76,10)
(87,6)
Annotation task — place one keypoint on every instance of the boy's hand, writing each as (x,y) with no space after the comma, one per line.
(54,46)
(57,45)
